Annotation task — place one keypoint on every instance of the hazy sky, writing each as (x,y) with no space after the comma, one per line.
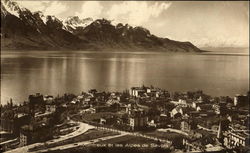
(202,23)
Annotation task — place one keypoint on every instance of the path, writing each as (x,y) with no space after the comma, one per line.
(83,127)
(173,130)
(84,143)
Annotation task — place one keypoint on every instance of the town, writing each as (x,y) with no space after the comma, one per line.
(140,118)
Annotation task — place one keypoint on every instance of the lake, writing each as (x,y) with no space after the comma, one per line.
(58,72)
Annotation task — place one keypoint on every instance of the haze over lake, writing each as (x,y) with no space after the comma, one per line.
(58,72)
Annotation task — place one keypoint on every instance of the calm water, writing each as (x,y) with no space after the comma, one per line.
(24,73)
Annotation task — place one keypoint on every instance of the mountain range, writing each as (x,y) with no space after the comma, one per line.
(22,29)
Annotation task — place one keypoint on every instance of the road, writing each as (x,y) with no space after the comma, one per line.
(83,127)
(88,142)
(137,134)
(84,143)
(173,130)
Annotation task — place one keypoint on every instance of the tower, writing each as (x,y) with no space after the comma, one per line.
(219,133)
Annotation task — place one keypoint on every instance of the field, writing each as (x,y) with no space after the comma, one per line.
(89,135)
(165,135)
(128,139)
(112,150)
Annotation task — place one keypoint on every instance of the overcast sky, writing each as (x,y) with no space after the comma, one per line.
(202,23)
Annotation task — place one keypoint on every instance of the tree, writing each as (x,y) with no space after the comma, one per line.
(198,94)
(115,107)
(216,99)
(190,95)
(176,96)
(193,124)
(153,112)
(11,103)
(93,91)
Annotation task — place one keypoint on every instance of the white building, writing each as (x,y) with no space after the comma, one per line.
(136,91)
(175,111)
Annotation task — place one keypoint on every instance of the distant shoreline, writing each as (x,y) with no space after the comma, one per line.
(104,50)
(229,54)
(202,52)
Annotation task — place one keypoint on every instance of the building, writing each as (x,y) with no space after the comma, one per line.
(185,126)
(163,121)
(138,119)
(35,103)
(235,139)
(180,102)
(48,98)
(19,121)
(216,108)
(137,91)
(103,121)
(130,108)
(13,126)
(112,101)
(24,138)
(138,122)
(43,118)
(237,135)
(175,111)
(50,108)
(205,107)
(34,133)
(241,100)
(7,125)
(8,145)
(200,100)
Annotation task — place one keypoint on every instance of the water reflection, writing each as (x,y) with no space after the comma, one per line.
(24,73)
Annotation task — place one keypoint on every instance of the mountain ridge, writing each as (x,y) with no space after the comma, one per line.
(23,29)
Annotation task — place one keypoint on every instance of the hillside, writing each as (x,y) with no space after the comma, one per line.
(22,29)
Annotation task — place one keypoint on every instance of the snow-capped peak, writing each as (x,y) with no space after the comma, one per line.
(4,12)
(17,10)
(74,22)
(12,7)
(42,16)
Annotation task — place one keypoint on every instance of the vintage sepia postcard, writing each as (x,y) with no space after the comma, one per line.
(124,76)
